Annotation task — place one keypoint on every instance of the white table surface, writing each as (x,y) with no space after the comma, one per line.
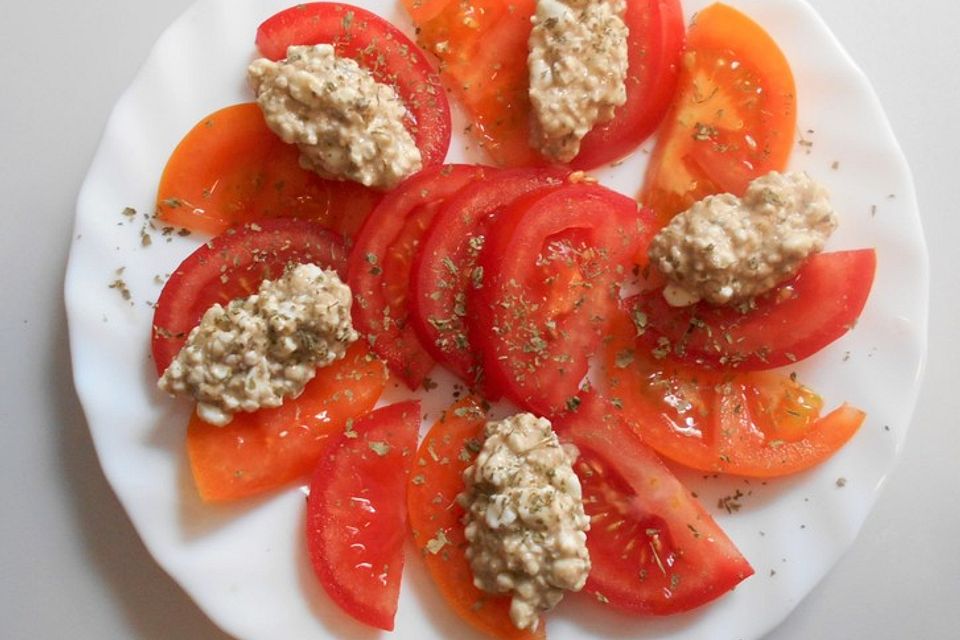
(71,564)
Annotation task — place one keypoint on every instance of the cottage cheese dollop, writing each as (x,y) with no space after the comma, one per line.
(726,249)
(525,523)
(258,350)
(345,123)
(578,70)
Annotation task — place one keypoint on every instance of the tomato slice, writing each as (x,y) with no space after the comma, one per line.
(261,451)
(230,168)
(653,48)
(654,548)
(794,321)
(551,267)
(483,46)
(759,424)
(381,263)
(380,48)
(446,269)
(233,265)
(356,520)
(733,119)
(447,450)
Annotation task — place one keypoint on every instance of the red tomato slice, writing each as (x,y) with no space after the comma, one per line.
(448,449)
(230,168)
(734,117)
(794,321)
(381,262)
(654,548)
(261,451)
(551,267)
(233,265)
(758,424)
(446,269)
(654,47)
(483,45)
(380,48)
(356,520)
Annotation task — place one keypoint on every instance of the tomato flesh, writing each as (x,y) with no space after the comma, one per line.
(446,267)
(758,424)
(794,321)
(551,268)
(233,265)
(356,520)
(381,263)
(733,119)
(483,45)
(230,168)
(378,47)
(265,450)
(653,547)
(447,450)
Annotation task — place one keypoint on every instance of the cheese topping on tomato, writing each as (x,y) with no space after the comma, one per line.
(258,350)
(726,249)
(578,69)
(345,123)
(525,523)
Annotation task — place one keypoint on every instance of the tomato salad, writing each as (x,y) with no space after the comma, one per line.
(512,277)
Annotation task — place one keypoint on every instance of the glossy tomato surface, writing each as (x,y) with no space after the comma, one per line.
(356,520)
(483,46)
(381,263)
(452,445)
(734,117)
(760,424)
(446,269)
(552,265)
(790,323)
(270,448)
(233,265)
(378,47)
(653,547)
(230,168)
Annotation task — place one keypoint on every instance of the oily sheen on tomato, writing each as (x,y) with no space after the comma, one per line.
(552,265)
(733,119)
(792,322)
(230,168)
(381,262)
(446,268)
(483,46)
(758,424)
(653,547)
(233,265)
(436,519)
(270,448)
(356,520)
(378,47)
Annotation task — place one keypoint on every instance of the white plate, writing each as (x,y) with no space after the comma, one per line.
(244,564)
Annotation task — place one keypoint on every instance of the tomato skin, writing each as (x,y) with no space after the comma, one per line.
(655,43)
(445,269)
(356,520)
(381,262)
(757,424)
(550,268)
(380,48)
(230,168)
(233,265)
(654,548)
(729,123)
(483,47)
(794,321)
(265,450)
(435,517)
